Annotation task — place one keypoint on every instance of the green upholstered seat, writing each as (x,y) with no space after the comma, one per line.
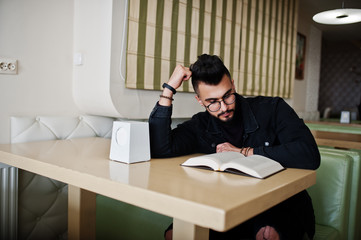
(331,196)
(354,231)
(326,232)
(118,220)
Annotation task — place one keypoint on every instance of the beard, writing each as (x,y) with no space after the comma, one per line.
(225,117)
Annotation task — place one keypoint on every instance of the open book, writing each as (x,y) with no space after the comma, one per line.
(256,165)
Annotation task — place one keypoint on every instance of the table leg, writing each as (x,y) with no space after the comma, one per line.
(185,230)
(81,213)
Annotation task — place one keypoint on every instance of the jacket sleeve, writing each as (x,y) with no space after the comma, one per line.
(168,142)
(294,146)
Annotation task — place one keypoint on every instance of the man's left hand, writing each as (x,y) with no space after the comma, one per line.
(227,147)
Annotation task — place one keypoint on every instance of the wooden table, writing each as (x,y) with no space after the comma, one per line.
(338,135)
(196,199)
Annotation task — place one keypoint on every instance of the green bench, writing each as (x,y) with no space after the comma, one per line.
(337,143)
(118,220)
(337,194)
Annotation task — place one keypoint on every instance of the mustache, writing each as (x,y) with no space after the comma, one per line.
(228,111)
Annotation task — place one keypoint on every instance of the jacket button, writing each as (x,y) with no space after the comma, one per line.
(213,145)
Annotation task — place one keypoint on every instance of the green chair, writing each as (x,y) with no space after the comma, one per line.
(118,220)
(331,196)
(354,231)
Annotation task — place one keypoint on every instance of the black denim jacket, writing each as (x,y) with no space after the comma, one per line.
(270,126)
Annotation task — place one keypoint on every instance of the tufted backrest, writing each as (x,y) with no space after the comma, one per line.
(25,129)
(43,202)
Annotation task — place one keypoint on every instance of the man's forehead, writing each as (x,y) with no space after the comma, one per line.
(214,92)
(218,96)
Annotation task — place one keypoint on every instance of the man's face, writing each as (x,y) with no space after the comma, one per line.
(208,94)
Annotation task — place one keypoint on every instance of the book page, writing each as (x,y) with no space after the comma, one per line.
(213,161)
(255,165)
(212,177)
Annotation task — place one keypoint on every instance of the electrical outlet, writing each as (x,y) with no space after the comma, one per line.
(8,66)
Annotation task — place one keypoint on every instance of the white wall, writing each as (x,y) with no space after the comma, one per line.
(43,34)
(99,88)
(305,92)
(93,40)
(39,34)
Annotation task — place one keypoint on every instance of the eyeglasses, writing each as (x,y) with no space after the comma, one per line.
(227,99)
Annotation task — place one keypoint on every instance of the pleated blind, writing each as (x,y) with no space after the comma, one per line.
(255,39)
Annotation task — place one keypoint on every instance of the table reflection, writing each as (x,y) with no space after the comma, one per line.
(135,174)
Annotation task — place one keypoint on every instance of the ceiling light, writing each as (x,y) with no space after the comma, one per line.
(338,16)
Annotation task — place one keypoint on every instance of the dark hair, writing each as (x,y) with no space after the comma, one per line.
(208,69)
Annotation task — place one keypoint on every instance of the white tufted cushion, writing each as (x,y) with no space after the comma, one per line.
(43,202)
(24,129)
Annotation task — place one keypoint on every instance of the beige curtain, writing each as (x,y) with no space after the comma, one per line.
(255,39)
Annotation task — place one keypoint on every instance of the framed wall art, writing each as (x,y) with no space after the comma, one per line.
(300,56)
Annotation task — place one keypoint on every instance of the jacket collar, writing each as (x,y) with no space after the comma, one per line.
(249,121)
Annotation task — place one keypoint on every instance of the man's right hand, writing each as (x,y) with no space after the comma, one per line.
(179,75)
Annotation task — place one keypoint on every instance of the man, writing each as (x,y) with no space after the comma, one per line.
(260,125)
